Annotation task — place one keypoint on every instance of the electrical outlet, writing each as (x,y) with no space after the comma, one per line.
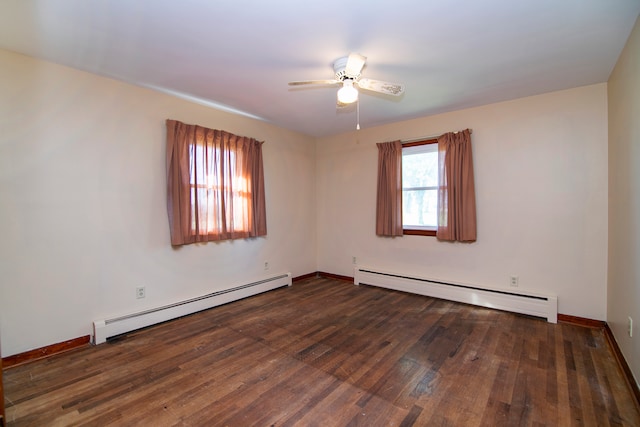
(513,281)
(266,265)
(140,292)
(354,260)
(630,327)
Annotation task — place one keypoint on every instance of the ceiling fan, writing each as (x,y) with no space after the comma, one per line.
(347,73)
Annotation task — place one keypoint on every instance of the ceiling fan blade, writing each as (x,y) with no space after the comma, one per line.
(395,89)
(354,65)
(314,82)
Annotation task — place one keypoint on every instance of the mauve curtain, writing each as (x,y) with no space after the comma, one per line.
(215,185)
(389,196)
(456,192)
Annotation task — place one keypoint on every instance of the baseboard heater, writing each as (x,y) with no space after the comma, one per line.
(103,329)
(539,305)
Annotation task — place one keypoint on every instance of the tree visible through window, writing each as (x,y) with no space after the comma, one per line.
(420,187)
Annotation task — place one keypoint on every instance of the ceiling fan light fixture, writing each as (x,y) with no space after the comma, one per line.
(347,94)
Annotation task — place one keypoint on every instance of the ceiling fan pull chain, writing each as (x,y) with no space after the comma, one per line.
(358,114)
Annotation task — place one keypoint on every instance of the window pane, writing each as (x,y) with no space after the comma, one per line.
(214,177)
(420,170)
(420,208)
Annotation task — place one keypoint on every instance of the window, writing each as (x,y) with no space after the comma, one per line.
(215,185)
(420,187)
(450,159)
(219,194)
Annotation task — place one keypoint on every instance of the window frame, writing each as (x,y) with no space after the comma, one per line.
(414,231)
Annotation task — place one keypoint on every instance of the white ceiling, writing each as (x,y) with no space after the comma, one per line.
(240,54)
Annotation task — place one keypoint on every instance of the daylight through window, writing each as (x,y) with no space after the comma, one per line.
(215,185)
(420,187)
(208,188)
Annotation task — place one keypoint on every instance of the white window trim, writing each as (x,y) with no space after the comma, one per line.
(419,149)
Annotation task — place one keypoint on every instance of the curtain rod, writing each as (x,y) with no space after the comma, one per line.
(407,141)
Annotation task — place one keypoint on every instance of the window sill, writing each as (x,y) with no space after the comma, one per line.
(407,232)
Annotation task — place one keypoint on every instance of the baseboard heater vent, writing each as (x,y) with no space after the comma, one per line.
(103,329)
(533,304)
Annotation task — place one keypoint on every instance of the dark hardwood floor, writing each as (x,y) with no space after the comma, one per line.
(328,353)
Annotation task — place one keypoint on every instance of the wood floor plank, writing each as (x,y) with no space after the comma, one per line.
(325,352)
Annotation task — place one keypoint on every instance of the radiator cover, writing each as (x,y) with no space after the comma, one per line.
(106,328)
(517,301)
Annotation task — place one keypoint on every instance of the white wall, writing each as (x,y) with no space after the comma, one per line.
(624,200)
(82,203)
(541,191)
(83,218)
